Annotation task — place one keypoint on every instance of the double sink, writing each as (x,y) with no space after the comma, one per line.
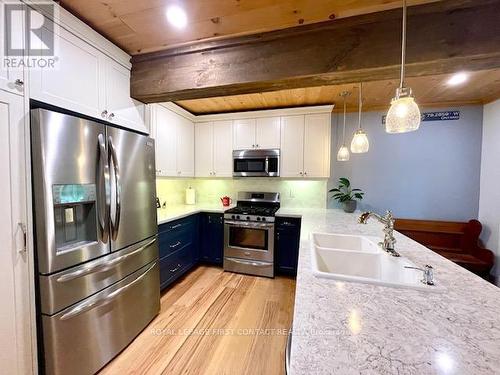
(360,259)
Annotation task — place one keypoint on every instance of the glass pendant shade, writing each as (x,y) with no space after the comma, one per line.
(359,143)
(403,116)
(343,154)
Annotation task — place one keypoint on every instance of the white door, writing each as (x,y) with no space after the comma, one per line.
(77,82)
(11,79)
(185,147)
(15,327)
(317,145)
(203,149)
(165,124)
(292,146)
(267,132)
(121,108)
(223,150)
(244,134)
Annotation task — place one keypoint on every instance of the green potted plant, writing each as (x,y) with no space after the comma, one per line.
(347,196)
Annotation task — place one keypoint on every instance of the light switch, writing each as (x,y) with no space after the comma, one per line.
(68,215)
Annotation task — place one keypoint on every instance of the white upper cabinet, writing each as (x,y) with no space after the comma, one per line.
(87,81)
(120,107)
(305,146)
(174,143)
(317,145)
(11,79)
(223,152)
(260,133)
(204,149)
(292,146)
(267,132)
(244,134)
(77,82)
(185,148)
(213,152)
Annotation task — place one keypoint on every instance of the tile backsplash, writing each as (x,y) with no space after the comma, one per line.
(294,193)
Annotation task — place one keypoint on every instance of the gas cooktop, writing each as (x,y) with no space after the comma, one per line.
(254,207)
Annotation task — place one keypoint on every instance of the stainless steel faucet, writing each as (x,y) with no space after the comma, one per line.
(388,221)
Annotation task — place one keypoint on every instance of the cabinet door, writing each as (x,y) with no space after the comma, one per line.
(11,79)
(317,145)
(122,109)
(15,328)
(292,146)
(165,124)
(244,134)
(185,147)
(203,149)
(212,238)
(77,81)
(287,245)
(223,150)
(267,132)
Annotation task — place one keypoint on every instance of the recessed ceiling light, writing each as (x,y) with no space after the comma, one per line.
(176,16)
(458,79)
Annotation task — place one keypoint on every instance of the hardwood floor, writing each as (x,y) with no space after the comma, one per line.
(214,322)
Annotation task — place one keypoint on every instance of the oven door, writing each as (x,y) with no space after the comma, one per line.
(247,240)
(256,163)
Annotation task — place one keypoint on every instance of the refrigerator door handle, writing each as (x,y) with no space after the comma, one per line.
(103,209)
(115,224)
(86,306)
(103,266)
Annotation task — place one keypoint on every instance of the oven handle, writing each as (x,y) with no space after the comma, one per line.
(248,263)
(248,225)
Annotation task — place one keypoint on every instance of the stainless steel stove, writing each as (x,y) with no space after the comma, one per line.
(249,234)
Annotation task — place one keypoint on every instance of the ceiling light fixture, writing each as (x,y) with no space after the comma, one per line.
(458,79)
(359,143)
(343,154)
(176,16)
(404,114)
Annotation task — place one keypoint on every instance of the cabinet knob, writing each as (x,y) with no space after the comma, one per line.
(104,114)
(253,146)
(257,146)
(301,173)
(19,82)
(111,116)
(305,173)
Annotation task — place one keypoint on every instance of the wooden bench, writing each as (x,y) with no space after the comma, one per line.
(456,241)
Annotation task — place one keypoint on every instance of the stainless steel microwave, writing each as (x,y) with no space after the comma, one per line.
(256,163)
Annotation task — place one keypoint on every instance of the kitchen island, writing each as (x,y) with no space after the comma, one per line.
(354,328)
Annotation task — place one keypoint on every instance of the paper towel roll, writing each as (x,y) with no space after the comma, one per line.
(190,196)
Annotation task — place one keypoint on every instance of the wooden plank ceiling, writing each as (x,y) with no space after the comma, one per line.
(141,26)
(481,87)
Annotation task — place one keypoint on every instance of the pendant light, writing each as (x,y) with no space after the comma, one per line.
(343,154)
(404,114)
(359,143)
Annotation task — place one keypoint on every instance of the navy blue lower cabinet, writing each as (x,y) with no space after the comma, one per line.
(178,245)
(211,238)
(286,245)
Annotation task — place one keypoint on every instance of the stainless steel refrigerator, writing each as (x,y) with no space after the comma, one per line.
(96,239)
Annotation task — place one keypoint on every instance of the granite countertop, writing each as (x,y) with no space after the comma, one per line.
(171,213)
(353,328)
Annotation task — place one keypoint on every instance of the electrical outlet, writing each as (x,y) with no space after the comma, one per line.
(292,194)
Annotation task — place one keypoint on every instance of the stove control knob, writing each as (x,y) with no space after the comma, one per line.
(238,217)
(258,219)
(263,219)
(248,217)
(233,217)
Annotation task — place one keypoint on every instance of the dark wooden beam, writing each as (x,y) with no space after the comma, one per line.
(443,37)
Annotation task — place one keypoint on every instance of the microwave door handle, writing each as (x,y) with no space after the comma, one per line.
(267,165)
(115,224)
(103,186)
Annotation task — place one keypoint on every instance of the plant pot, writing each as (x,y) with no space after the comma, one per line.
(350,206)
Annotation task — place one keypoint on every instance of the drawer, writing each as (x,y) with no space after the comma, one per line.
(175,265)
(84,337)
(187,222)
(175,240)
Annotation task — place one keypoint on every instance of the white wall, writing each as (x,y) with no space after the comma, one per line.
(489,199)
